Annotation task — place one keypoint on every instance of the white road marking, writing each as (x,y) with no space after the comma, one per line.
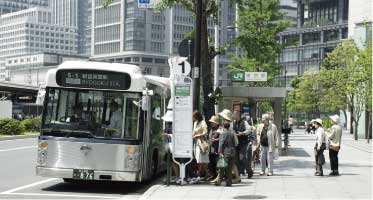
(65,195)
(29,185)
(27,147)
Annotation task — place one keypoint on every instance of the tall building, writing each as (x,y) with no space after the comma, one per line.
(74,13)
(8,6)
(321,24)
(30,31)
(125,33)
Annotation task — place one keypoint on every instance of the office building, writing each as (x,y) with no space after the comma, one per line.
(125,33)
(30,31)
(321,24)
(8,6)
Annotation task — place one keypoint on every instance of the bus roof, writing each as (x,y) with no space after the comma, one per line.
(138,81)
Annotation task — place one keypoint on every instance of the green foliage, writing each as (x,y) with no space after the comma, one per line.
(326,123)
(11,127)
(259,23)
(32,124)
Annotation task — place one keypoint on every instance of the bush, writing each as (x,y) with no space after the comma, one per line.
(32,124)
(11,127)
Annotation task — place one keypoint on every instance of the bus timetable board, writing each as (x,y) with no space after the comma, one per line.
(183,123)
(97,79)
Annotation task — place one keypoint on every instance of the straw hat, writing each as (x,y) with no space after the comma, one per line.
(319,121)
(168,116)
(214,119)
(226,114)
(335,119)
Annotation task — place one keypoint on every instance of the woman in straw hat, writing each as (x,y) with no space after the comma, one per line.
(227,146)
(334,134)
(320,146)
(214,147)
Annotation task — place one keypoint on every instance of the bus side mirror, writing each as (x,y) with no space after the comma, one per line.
(145,103)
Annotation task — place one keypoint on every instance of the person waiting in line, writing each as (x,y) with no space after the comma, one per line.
(242,130)
(214,147)
(201,149)
(227,147)
(269,140)
(116,120)
(334,135)
(320,146)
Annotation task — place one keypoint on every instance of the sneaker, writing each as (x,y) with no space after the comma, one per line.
(261,173)
(270,174)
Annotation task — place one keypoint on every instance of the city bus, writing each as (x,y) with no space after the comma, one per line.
(102,121)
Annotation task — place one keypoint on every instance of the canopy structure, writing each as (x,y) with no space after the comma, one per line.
(251,95)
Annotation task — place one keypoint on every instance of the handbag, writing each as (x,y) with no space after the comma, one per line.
(334,148)
(203,145)
(222,163)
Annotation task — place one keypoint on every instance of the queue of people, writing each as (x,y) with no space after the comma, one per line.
(230,139)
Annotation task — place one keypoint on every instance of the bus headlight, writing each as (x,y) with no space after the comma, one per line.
(42,152)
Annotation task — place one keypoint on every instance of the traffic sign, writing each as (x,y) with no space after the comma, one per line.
(148,3)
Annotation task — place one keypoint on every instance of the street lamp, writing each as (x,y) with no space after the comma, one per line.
(216,59)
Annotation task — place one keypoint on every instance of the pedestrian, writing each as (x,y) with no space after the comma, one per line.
(320,146)
(243,130)
(214,147)
(269,140)
(291,123)
(334,135)
(227,147)
(201,147)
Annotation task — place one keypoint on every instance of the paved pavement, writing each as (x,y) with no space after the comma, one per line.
(293,177)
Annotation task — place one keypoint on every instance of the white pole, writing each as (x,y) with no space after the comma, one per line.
(216,59)
(171,31)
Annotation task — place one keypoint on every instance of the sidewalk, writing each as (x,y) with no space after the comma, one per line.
(293,177)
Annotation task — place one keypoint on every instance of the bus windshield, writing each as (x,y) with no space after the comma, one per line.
(91,114)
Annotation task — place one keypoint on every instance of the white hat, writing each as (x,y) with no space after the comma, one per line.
(319,121)
(335,118)
(214,119)
(226,114)
(168,116)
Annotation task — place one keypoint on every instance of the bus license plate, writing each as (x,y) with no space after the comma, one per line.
(84,174)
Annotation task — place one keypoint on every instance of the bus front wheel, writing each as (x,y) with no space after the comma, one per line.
(154,166)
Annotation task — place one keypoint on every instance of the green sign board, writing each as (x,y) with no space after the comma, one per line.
(182,91)
(238,76)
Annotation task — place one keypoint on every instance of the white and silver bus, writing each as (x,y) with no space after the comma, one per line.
(102,121)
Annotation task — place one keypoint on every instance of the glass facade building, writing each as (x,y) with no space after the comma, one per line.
(321,24)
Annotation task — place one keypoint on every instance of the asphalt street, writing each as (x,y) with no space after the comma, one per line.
(18,179)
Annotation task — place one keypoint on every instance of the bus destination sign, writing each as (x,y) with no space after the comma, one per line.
(93,79)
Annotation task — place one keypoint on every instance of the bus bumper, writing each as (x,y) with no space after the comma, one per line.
(98,175)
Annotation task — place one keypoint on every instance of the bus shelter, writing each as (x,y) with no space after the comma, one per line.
(233,96)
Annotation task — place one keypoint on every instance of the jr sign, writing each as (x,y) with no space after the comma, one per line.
(249,76)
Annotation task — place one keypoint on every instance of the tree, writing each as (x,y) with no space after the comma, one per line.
(209,8)
(336,80)
(259,23)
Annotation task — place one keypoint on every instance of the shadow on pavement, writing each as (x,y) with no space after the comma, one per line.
(103,187)
(250,197)
(297,152)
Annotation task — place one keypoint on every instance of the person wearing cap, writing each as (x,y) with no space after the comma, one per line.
(227,146)
(320,146)
(334,134)
(269,140)
(214,146)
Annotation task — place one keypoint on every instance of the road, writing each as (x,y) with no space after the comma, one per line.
(18,179)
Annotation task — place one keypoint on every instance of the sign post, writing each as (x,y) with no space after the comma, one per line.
(249,76)
(182,126)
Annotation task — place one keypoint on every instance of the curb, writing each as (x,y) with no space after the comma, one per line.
(147,195)
(18,137)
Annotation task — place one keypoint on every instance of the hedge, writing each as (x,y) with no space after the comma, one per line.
(32,124)
(10,126)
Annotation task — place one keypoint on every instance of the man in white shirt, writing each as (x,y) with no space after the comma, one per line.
(116,120)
